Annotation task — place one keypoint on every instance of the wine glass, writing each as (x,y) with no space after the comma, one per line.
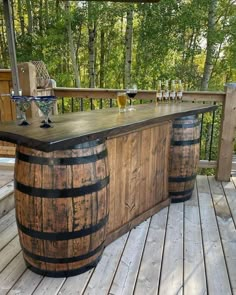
(45,104)
(22,104)
(131,92)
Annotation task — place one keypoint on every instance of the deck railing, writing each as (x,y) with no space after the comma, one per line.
(217,131)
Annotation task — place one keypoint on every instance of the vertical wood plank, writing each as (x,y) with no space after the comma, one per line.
(216,271)
(12,273)
(9,252)
(7,220)
(27,283)
(230,191)
(228,125)
(103,274)
(138,164)
(125,278)
(49,286)
(226,227)
(7,111)
(194,267)
(8,234)
(76,284)
(150,269)
(172,267)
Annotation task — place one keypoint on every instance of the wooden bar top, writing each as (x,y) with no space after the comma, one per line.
(74,128)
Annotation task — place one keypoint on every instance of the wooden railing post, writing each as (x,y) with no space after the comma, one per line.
(228,125)
(28,84)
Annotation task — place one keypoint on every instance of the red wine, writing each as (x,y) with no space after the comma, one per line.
(131,94)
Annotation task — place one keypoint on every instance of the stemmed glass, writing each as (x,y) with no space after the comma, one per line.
(45,104)
(131,92)
(22,103)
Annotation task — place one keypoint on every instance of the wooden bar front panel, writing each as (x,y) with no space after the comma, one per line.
(138,164)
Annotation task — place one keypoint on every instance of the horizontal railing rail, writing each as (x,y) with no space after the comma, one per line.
(211,129)
(218,129)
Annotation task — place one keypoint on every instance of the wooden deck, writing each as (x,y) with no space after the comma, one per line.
(188,248)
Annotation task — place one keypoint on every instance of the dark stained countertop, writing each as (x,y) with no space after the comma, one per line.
(74,128)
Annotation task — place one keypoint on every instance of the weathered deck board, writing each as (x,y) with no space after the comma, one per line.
(6,176)
(172,267)
(7,235)
(226,227)
(150,269)
(230,191)
(9,252)
(26,284)
(49,286)
(194,266)
(6,220)
(125,277)
(11,274)
(216,271)
(188,248)
(103,275)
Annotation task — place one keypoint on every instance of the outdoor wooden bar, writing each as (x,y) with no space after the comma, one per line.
(88,180)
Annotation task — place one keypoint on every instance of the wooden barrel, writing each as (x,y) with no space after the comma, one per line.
(62,207)
(184,157)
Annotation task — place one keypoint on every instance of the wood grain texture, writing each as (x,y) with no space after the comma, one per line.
(226,227)
(227,135)
(126,274)
(184,157)
(229,189)
(104,273)
(99,280)
(216,271)
(138,164)
(55,200)
(150,269)
(142,94)
(12,273)
(73,128)
(172,265)
(26,284)
(194,264)
(9,252)
(7,111)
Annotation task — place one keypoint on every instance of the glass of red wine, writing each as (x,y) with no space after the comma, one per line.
(131,92)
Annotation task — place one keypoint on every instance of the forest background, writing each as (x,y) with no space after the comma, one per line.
(108,45)
(111,45)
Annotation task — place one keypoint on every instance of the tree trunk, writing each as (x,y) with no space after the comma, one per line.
(128,47)
(30,17)
(21,17)
(72,49)
(41,17)
(102,59)
(210,50)
(91,46)
(46,18)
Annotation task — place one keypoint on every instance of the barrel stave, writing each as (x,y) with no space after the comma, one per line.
(184,157)
(62,207)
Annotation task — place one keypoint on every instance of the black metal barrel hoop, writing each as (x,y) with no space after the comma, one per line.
(62,207)
(184,157)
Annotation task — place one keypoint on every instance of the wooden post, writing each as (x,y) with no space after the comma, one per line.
(28,83)
(228,125)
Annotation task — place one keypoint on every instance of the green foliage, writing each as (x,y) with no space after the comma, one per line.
(168,39)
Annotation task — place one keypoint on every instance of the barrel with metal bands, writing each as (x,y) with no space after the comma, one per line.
(62,207)
(184,157)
